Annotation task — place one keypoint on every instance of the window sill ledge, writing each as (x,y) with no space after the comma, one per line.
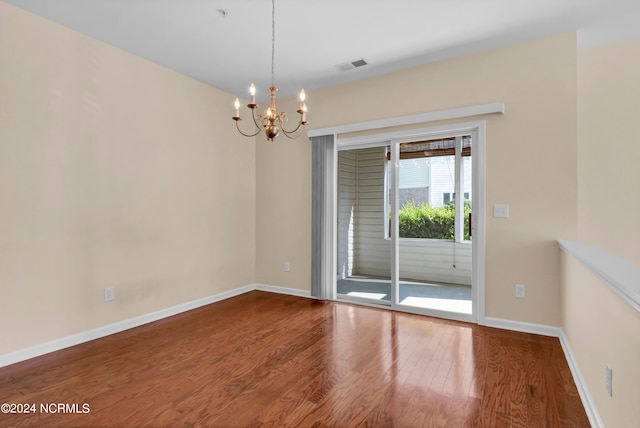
(620,275)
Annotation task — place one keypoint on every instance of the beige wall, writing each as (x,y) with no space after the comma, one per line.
(600,327)
(609,152)
(531,165)
(114,172)
(283,200)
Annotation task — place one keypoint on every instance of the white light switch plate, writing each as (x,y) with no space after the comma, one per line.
(500,210)
(521,292)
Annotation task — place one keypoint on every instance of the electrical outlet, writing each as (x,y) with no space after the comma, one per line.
(108,294)
(287,267)
(609,380)
(521,291)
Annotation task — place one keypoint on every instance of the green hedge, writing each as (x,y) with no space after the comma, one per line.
(424,221)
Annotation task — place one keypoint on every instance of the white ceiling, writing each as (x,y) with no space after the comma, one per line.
(314,36)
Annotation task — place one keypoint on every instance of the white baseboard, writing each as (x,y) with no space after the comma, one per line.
(525,327)
(581,384)
(283,290)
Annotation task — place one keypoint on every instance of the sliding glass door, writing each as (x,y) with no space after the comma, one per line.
(434,198)
(405,214)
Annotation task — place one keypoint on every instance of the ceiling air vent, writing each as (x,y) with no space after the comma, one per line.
(351,65)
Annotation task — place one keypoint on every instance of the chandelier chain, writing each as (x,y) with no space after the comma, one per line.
(273,41)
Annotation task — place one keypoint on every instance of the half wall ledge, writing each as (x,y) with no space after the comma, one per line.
(620,275)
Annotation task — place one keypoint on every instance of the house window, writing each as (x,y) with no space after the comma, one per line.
(448,197)
(431,174)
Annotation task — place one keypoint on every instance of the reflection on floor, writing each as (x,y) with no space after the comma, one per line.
(443,297)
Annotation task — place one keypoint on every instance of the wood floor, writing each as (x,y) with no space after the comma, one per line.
(268,360)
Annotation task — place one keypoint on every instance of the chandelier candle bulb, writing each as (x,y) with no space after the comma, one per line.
(237,106)
(302,98)
(252,92)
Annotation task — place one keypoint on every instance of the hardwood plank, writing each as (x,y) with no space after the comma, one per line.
(268,360)
(518,411)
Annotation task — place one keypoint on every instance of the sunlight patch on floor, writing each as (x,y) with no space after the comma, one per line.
(459,306)
(376,296)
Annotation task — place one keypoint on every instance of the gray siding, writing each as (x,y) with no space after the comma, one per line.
(374,251)
(347,170)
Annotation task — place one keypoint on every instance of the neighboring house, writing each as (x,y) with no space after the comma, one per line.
(432,180)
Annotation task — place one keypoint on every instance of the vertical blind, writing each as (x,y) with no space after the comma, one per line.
(322,161)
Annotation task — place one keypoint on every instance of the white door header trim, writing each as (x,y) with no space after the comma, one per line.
(454,113)
(411,135)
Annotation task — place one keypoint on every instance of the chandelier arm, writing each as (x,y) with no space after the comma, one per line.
(287,133)
(246,135)
(255,122)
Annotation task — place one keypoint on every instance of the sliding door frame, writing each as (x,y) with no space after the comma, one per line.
(393,139)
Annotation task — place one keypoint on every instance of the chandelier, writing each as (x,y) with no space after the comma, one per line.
(271,121)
